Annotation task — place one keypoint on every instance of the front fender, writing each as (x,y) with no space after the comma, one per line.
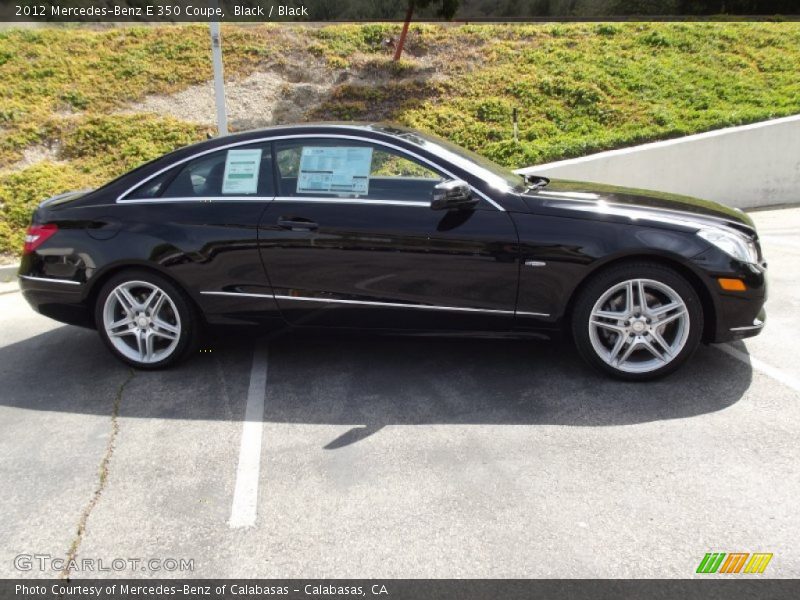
(558,254)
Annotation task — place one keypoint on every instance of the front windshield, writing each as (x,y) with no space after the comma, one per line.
(495,175)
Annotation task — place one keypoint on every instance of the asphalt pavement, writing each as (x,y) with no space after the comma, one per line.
(390,458)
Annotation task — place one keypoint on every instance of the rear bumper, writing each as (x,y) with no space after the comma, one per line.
(61,300)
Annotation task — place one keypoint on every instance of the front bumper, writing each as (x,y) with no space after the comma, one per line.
(739,314)
(745,331)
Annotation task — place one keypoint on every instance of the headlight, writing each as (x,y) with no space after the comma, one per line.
(732,243)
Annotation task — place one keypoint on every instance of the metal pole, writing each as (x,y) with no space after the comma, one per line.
(219,79)
(516,126)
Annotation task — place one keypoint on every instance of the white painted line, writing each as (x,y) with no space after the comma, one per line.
(245,494)
(779,240)
(759,365)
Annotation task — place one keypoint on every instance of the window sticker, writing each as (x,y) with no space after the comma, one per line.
(334,169)
(241,172)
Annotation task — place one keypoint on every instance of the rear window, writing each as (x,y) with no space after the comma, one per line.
(243,171)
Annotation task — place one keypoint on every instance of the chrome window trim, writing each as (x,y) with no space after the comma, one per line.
(381,304)
(317,199)
(49,279)
(122,200)
(199,199)
(323,200)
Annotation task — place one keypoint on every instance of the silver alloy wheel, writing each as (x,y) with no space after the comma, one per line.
(639,325)
(142,322)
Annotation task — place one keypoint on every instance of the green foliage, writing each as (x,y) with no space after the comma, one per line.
(582,88)
(96,150)
(111,145)
(340,44)
(75,99)
(49,72)
(345,40)
(385,164)
(494,110)
(21,192)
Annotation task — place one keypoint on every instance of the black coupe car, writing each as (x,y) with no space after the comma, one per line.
(381,228)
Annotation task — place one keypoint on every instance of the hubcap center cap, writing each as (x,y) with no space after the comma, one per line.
(143,321)
(638,326)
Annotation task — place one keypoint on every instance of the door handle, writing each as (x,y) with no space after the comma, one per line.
(297,224)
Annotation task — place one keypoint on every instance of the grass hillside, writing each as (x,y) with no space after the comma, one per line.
(579,88)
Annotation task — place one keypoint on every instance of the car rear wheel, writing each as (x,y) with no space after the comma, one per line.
(637,321)
(145,320)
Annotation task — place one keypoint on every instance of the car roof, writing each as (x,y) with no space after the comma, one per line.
(365,129)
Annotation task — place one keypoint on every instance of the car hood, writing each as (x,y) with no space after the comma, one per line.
(602,199)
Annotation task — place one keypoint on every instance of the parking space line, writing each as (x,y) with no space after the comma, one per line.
(781,240)
(245,494)
(759,365)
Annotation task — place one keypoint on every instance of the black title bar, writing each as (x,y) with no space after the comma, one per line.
(733,588)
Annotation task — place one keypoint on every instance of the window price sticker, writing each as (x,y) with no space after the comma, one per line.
(241,172)
(334,170)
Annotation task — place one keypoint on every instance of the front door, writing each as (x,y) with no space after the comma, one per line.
(351,241)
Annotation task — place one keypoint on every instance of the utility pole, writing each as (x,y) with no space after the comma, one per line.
(219,79)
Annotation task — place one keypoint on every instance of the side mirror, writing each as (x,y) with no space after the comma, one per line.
(452,194)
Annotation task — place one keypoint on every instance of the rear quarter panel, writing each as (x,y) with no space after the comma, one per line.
(200,245)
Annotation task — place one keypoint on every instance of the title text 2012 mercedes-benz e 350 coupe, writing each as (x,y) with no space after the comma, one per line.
(381,228)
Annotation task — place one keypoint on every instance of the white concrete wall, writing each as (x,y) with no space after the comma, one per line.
(746,167)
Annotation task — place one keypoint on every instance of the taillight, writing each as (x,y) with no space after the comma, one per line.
(36,236)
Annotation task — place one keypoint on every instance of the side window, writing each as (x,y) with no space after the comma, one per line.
(346,169)
(386,165)
(239,171)
(152,188)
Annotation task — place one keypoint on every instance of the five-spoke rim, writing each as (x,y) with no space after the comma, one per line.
(142,322)
(639,325)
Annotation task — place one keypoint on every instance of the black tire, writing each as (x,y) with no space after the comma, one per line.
(583,332)
(177,310)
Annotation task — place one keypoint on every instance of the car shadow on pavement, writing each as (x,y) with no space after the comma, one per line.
(365,381)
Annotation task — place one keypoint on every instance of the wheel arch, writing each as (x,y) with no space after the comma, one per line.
(97,282)
(672,262)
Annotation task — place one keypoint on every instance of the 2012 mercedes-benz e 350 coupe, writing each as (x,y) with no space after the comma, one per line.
(376,227)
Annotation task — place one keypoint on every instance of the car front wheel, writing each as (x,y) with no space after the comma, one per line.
(145,320)
(637,321)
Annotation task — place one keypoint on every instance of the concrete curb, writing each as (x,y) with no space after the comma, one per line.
(8,273)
